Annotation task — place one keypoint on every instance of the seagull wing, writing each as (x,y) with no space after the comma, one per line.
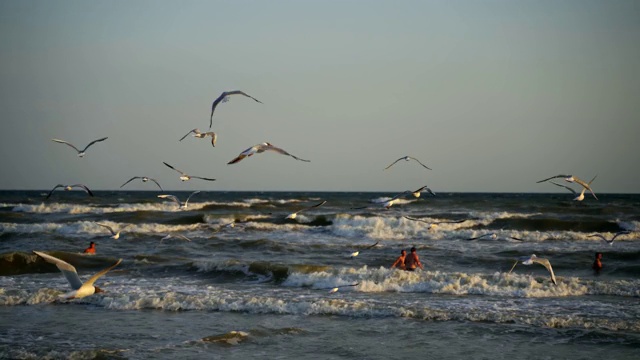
(180,171)
(84,187)
(213,106)
(68,143)
(171,197)
(371,246)
(93,142)
(203,178)
(393,163)
(130,180)
(553,177)
(157,183)
(423,165)
(238,92)
(101,273)
(479,237)
(313,206)
(620,233)
(283,152)
(584,185)
(214,137)
(546,264)
(187,134)
(67,269)
(415,219)
(193,193)
(107,227)
(564,186)
(52,190)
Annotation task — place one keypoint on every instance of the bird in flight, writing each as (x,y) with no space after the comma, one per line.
(201,135)
(407,158)
(81,153)
(528,260)
(177,201)
(572,179)
(224,97)
(357,252)
(293,215)
(114,234)
(186,177)
(610,241)
(260,148)
(579,197)
(335,289)
(144,179)
(69,187)
(171,236)
(80,289)
(416,193)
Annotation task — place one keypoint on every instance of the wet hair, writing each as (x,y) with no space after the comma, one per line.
(403,251)
(91,243)
(598,253)
(413,249)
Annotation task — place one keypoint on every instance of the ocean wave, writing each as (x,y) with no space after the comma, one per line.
(92,229)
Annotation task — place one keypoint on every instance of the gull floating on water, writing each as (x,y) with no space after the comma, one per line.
(81,153)
(528,260)
(293,215)
(80,289)
(572,179)
(610,241)
(144,179)
(357,252)
(201,135)
(260,148)
(434,224)
(114,234)
(69,187)
(407,158)
(335,289)
(580,196)
(224,97)
(186,177)
(177,201)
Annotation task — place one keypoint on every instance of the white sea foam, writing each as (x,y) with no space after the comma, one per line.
(90,228)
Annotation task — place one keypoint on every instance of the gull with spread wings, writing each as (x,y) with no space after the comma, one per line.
(224,97)
(69,187)
(610,241)
(114,234)
(260,148)
(579,197)
(144,179)
(528,260)
(293,215)
(407,158)
(186,177)
(177,201)
(357,252)
(201,135)
(81,153)
(80,289)
(572,179)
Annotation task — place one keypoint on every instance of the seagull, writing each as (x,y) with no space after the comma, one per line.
(224,97)
(114,234)
(293,215)
(580,196)
(335,289)
(407,158)
(80,289)
(185,177)
(180,236)
(528,260)
(493,236)
(416,193)
(610,242)
(81,153)
(434,224)
(201,135)
(387,204)
(571,178)
(69,187)
(144,179)
(357,252)
(259,148)
(175,199)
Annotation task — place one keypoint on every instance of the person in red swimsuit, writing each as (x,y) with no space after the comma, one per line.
(91,249)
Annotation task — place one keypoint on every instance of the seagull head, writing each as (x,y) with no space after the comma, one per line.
(569,179)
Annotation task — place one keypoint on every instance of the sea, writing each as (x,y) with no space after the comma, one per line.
(238,279)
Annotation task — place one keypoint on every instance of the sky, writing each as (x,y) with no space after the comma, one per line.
(491,95)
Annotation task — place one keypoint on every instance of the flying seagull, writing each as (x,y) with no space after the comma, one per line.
(335,289)
(170,236)
(224,97)
(69,187)
(573,179)
(387,203)
(186,177)
(114,234)
(610,241)
(407,158)
(201,135)
(175,199)
(81,153)
(357,252)
(416,193)
(493,236)
(528,260)
(260,148)
(293,215)
(80,289)
(434,224)
(144,179)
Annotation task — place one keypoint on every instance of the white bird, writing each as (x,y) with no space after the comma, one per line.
(434,224)
(293,215)
(579,197)
(114,234)
(528,260)
(335,289)
(407,158)
(81,153)
(80,289)
(572,179)
(416,193)
(179,236)
(144,179)
(389,203)
(177,201)
(70,187)
(201,135)
(493,236)
(610,241)
(260,148)
(186,177)
(357,252)
(224,97)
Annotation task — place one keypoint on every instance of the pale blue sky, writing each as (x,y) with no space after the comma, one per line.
(492,95)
